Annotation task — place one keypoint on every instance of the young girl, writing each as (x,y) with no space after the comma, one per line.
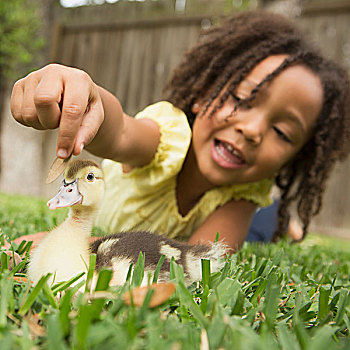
(252,105)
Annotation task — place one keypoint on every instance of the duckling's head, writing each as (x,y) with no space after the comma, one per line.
(82,185)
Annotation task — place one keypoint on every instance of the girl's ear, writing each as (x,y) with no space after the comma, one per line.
(195,108)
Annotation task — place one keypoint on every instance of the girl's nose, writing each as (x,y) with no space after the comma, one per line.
(252,128)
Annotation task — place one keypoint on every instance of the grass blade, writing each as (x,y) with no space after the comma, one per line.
(323,307)
(139,271)
(177,271)
(65,308)
(19,267)
(89,312)
(225,271)
(90,273)
(157,270)
(217,237)
(83,324)
(4,262)
(187,300)
(227,290)
(206,278)
(28,302)
(6,288)
(59,287)
(271,300)
(104,277)
(129,274)
(54,336)
(25,247)
(286,338)
(344,295)
(50,296)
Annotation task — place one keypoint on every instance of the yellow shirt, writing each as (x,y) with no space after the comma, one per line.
(145,199)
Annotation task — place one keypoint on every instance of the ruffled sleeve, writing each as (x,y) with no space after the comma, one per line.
(175,138)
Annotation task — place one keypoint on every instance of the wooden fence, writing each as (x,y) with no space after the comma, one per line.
(130,48)
(130,55)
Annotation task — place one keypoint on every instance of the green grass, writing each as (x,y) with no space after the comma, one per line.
(276,296)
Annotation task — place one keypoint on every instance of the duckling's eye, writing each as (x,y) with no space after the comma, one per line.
(90,176)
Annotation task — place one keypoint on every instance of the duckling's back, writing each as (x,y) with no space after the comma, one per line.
(120,250)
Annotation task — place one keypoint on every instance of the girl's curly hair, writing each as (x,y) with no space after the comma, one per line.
(224,57)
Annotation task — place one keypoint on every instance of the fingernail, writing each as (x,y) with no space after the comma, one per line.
(81,147)
(62,153)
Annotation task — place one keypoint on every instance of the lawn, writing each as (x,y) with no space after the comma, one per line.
(274,296)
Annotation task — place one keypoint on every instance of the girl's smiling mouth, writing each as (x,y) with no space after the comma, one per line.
(227,156)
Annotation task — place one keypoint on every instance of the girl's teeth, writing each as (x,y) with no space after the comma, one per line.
(223,147)
(229,148)
(236,153)
(232,150)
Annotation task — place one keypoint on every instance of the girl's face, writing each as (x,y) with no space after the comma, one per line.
(255,141)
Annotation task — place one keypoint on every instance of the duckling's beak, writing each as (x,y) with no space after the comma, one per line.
(67,196)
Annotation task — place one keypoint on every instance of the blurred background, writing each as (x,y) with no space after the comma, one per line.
(130,48)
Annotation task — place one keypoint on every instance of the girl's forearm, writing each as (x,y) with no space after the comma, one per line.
(123,138)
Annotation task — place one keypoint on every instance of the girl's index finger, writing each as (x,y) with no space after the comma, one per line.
(75,102)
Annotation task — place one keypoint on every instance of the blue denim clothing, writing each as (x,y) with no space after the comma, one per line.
(264,224)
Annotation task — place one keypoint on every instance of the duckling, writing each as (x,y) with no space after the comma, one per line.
(65,250)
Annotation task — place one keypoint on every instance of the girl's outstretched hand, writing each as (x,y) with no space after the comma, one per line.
(61,97)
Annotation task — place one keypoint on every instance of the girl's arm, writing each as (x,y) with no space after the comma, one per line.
(86,115)
(231,221)
(123,138)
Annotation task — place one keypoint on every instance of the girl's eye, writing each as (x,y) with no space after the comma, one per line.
(241,102)
(236,98)
(90,176)
(282,135)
